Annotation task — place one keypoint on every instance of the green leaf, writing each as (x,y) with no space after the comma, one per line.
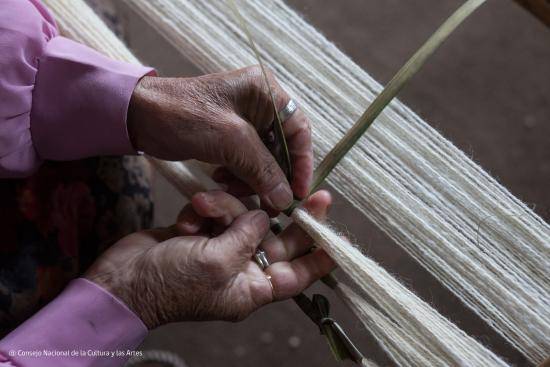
(390,91)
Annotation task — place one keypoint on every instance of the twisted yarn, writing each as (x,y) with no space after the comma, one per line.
(404,176)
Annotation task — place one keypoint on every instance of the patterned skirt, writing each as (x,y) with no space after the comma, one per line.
(54,224)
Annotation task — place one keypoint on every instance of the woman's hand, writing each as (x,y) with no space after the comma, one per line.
(222,118)
(201,267)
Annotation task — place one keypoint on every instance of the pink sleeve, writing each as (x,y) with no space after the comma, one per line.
(59,100)
(81,326)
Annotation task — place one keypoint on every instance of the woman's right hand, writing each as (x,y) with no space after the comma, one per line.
(222,118)
(201,268)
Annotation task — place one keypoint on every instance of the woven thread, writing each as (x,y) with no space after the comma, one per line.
(404,176)
(408,179)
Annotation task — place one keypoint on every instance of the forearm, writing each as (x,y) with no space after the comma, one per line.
(60,100)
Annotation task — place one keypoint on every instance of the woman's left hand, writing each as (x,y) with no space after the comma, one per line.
(201,268)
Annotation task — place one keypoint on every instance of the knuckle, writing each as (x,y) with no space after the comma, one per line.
(256,76)
(214,270)
(254,72)
(303,127)
(242,239)
(257,83)
(236,136)
(261,170)
(255,68)
(242,130)
(268,72)
(269,172)
(236,128)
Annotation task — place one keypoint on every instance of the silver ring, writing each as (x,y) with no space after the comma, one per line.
(261,259)
(289,109)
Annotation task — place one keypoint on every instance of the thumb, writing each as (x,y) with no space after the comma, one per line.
(249,159)
(244,235)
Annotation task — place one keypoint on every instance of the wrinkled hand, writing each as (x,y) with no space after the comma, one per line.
(201,267)
(222,118)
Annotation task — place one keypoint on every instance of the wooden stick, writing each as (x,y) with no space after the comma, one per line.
(546,363)
(539,8)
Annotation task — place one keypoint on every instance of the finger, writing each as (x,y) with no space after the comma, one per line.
(243,236)
(153,235)
(235,186)
(247,157)
(293,241)
(218,205)
(318,204)
(189,222)
(290,278)
(260,107)
(297,132)
(269,210)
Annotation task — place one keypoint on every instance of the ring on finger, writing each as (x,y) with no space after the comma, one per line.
(288,110)
(260,257)
(268,277)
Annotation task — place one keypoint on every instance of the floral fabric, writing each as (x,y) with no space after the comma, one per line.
(56,222)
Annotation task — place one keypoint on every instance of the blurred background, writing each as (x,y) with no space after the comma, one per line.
(487,89)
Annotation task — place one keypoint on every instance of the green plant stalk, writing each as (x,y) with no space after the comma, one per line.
(390,91)
(354,134)
(340,345)
(284,160)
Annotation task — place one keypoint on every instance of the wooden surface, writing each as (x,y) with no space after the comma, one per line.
(539,8)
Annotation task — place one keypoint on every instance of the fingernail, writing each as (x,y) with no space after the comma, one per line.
(208,198)
(280,197)
(261,220)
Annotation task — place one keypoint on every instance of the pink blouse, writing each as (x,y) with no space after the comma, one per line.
(60,100)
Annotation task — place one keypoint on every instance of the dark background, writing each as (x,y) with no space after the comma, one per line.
(487,89)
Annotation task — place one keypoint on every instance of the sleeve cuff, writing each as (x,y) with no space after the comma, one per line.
(80,102)
(85,320)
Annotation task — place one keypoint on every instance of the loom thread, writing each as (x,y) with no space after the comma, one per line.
(409,180)
(404,176)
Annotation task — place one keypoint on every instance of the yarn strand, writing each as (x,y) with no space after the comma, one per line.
(404,176)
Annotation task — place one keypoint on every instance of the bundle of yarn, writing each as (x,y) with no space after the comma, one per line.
(474,236)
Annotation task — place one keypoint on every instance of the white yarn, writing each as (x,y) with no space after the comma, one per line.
(406,345)
(188,178)
(413,333)
(407,178)
(368,363)
(404,349)
(433,215)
